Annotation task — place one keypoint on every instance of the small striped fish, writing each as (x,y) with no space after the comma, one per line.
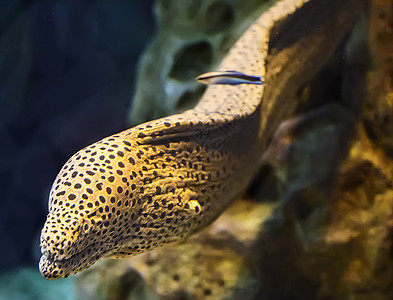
(228,77)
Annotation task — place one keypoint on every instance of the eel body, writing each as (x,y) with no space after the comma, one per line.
(161,181)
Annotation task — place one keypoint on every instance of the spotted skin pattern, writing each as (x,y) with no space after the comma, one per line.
(161,181)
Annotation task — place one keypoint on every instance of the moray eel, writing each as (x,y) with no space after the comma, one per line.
(161,181)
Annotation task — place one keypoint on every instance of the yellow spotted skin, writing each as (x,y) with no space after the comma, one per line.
(161,181)
(124,195)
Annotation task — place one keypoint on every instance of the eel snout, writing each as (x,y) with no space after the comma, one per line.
(54,268)
(59,240)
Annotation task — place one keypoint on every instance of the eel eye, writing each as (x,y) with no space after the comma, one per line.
(86,226)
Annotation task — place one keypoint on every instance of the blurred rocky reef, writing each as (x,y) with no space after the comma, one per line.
(191,39)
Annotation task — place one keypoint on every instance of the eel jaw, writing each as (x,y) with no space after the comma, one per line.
(52,268)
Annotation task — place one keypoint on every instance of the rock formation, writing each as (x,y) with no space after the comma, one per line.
(192,38)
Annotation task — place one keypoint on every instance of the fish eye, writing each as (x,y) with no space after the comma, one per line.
(86,226)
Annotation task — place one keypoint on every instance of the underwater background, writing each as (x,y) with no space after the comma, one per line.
(316,223)
(67,75)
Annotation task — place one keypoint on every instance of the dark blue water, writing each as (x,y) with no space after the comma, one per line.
(67,73)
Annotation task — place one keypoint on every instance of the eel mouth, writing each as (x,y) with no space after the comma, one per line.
(53,259)
(52,268)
